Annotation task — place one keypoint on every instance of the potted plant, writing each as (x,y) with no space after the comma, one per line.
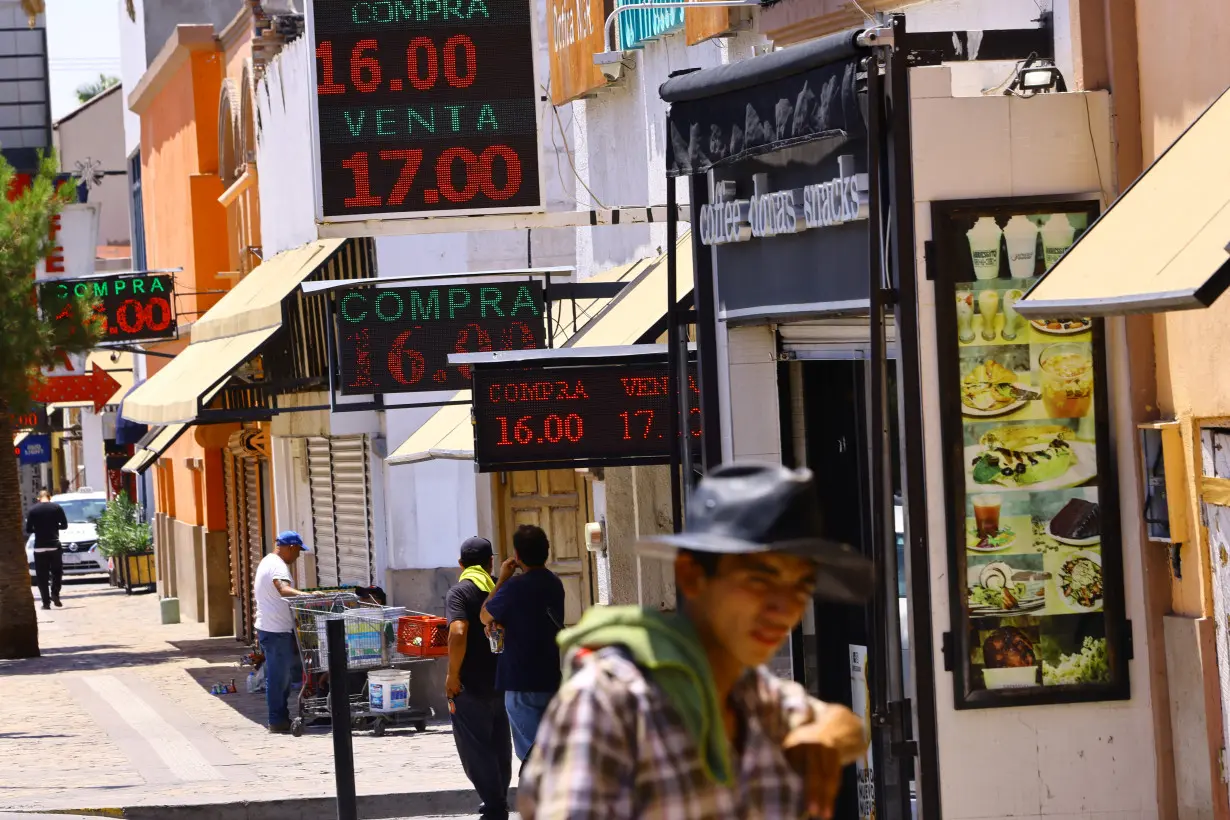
(125,539)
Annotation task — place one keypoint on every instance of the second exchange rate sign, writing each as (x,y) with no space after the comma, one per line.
(425,106)
(398,340)
(603,413)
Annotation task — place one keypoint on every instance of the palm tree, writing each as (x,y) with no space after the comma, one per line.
(89,91)
(28,342)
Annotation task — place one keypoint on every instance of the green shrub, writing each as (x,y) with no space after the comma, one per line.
(120,529)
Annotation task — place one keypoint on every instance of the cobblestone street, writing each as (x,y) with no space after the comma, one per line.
(117,713)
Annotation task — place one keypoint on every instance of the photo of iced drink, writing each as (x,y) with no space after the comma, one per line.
(986,515)
(984,240)
(1057,236)
(1067,380)
(1021,237)
(988,307)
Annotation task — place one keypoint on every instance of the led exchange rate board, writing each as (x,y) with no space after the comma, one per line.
(398,340)
(134,307)
(425,106)
(596,414)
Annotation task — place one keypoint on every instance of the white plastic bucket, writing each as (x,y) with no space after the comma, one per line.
(388,690)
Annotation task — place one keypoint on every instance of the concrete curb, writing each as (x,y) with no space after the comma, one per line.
(371,807)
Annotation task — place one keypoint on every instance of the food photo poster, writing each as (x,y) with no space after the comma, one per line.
(1037,608)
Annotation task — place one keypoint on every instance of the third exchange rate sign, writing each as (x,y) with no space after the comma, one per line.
(601,413)
(134,306)
(398,340)
(425,106)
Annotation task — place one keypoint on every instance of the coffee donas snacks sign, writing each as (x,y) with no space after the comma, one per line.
(773,213)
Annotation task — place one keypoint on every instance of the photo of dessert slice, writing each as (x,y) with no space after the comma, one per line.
(1078,524)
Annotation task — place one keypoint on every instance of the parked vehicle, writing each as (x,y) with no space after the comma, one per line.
(80,540)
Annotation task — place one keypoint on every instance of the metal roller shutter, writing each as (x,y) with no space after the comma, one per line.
(841,338)
(352,510)
(324,530)
(253,530)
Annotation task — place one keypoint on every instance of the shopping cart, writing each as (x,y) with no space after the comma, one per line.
(371,644)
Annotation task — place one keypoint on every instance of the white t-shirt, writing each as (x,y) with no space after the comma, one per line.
(272,610)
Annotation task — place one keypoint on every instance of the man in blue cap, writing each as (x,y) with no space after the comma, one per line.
(275,624)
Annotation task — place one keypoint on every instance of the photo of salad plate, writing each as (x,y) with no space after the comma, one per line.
(1080,581)
(989,389)
(1061,327)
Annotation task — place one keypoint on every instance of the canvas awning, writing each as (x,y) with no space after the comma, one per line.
(623,320)
(159,442)
(228,335)
(1163,245)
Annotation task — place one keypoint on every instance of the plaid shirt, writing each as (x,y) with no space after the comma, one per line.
(611,747)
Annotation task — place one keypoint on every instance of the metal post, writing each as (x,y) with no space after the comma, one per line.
(902,255)
(339,710)
(703,298)
(672,351)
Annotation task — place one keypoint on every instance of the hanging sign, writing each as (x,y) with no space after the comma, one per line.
(34,449)
(424,107)
(134,306)
(575,31)
(591,414)
(74,232)
(397,340)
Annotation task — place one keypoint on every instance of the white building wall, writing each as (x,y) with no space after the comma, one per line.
(94,135)
(132,66)
(93,450)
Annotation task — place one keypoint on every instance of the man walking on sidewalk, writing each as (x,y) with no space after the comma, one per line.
(675,715)
(275,624)
(530,609)
(480,726)
(44,521)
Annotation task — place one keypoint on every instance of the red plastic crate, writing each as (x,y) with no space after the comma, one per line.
(422,636)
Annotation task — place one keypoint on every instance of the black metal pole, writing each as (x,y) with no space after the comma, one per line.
(885,638)
(914,490)
(672,352)
(339,710)
(703,298)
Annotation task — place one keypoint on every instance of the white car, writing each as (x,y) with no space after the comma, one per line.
(80,540)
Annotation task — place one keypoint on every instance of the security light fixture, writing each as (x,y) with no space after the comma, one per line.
(1036,76)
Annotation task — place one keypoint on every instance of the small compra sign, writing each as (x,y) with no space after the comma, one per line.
(133,306)
(398,340)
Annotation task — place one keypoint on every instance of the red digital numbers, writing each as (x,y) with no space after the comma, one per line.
(460,176)
(424,58)
(408,365)
(400,355)
(551,429)
(640,424)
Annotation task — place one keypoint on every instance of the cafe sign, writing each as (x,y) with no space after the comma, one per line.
(774,213)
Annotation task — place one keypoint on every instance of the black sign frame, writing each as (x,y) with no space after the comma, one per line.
(410,299)
(950,220)
(396,69)
(642,367)
(115,293)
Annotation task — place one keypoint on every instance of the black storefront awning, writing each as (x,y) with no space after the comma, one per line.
(741,110)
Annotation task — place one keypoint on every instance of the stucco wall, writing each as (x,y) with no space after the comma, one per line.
(95,132)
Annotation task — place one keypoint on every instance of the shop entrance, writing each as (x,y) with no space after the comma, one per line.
(826,400)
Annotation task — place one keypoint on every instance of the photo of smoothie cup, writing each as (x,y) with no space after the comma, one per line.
(984,240)
(1012,319)
(988,306)
(1021,237)
(965,315)
(1057,236)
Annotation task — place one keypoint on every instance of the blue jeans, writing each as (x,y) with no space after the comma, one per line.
(279,649)
(525,711)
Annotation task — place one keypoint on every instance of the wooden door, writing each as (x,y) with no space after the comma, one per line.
(559,502)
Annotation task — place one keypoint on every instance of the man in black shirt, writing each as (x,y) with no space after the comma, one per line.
(480,724)
(44,521)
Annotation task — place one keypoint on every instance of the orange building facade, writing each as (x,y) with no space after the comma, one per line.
(201,216)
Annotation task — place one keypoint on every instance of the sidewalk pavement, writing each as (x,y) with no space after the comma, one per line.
(117,714)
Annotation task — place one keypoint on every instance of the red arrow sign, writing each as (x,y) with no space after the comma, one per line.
(96,387)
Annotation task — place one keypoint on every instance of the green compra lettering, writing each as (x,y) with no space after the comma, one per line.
(421,310)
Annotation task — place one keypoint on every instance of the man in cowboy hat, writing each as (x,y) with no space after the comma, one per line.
(675,715)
